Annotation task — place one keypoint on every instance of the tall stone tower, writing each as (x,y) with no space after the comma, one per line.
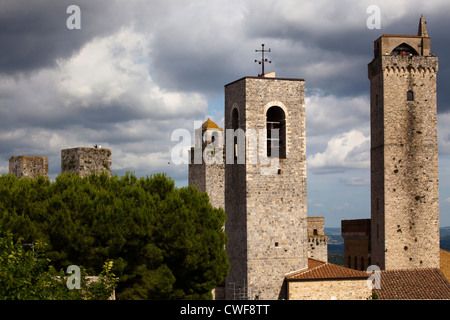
(207,165)
(265,185)
(404,155)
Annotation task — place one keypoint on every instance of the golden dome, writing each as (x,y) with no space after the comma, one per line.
(209,124)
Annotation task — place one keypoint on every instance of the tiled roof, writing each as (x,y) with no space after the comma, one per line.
(413,284)
(320,270)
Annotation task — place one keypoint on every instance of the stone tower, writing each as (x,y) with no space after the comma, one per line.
(207,170)
(28,166)
(404,155)
(265,185)
(84,161)
(356,234)
(317,240)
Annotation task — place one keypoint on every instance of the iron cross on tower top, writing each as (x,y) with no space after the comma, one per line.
(262,60)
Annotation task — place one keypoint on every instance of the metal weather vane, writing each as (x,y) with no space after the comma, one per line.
(263,59)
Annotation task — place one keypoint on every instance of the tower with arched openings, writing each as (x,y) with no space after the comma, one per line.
(404,154)
(265,185)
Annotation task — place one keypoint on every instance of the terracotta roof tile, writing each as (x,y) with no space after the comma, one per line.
(320,270)
(413,284)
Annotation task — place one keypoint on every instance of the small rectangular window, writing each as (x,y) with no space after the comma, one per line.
(410,96)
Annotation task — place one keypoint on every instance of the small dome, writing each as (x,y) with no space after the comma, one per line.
(209,124)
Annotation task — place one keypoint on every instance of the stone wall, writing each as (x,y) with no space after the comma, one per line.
(209,178)
(318,247)
(28,166)
(317,240)
(329,290)
(84,161)
(235,200)
(356,234)
(266,213)
(404,157)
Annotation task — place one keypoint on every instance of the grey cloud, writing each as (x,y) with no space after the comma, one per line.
(33,34)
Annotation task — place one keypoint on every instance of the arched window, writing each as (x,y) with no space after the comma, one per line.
(276,143)
(356,263)
(349,262)
(362,263)
(404,50)
(410,96)
(315,232)
(235,119)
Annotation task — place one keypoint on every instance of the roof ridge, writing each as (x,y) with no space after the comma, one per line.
(324,263)
(325,270)
(410,269)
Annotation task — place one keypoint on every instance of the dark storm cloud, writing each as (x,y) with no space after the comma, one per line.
(33,34)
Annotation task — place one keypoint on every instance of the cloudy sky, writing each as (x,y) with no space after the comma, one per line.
(139,69)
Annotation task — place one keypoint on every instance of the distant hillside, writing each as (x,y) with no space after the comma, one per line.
(335,246)
(445,238)
(336,243)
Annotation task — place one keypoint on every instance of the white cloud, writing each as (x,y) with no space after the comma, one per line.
(115,71)
(102,94)
(356,181)
(336,114)
(350,150)
(443,124)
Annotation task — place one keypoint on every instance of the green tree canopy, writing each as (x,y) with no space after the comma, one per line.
(166,242)
(25,274)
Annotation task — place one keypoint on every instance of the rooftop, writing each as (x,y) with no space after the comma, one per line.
(405,284)
(320,270)
(413,284)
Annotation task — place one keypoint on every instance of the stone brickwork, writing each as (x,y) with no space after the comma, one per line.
(209,178)
(353,289)
(207,172)
(317,240)
(84,161)
(28,166)
(266,213)
(404,155)
(356,234)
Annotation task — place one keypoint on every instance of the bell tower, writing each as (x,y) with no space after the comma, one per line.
(265,185)
(404,154)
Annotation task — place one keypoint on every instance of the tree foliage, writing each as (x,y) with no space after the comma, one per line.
(165,242)
(25,274)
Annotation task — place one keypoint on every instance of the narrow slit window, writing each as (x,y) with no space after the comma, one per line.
(235,125)
(410,96)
